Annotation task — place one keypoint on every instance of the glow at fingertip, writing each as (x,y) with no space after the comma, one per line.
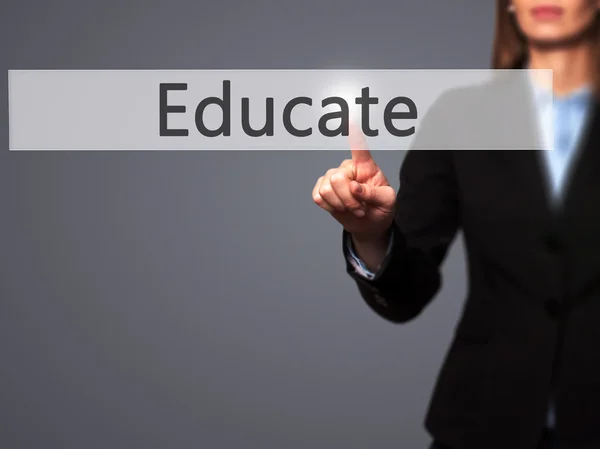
(348,91)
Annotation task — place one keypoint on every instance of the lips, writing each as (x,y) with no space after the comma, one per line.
(547,12)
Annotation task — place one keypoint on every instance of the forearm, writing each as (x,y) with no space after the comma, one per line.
(407,277)
(402,284)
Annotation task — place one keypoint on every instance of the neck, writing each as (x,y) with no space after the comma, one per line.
(572,68)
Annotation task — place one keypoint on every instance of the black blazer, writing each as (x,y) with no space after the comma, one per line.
(530,327)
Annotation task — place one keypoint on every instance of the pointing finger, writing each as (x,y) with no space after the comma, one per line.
(358,145)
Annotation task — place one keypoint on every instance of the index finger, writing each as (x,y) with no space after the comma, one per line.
(358,145)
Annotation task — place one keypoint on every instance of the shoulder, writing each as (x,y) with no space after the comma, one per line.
(478,116)
(471,98)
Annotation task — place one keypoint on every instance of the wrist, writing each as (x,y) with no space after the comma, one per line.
(372,238)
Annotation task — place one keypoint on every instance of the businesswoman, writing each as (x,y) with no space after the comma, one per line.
(523,369)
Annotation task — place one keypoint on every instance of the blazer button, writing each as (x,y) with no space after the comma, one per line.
(553,308)
(380,300)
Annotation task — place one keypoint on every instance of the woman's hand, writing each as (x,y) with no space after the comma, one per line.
(357,194)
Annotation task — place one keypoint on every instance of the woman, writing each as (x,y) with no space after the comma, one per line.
(523,370)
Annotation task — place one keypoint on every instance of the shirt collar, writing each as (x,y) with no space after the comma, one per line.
(544,96)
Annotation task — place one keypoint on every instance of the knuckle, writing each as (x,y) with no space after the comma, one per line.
(316,186)
(325,189)
(338,177)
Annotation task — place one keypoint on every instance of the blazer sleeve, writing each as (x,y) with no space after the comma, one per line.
(426,221)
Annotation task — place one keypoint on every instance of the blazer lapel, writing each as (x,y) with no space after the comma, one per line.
(528,165)
(578,220)
(585,166)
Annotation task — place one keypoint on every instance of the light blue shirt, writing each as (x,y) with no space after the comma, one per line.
(562,120)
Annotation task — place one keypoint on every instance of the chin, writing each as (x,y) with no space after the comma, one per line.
(554,40)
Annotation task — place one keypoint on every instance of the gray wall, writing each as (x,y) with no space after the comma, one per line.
(199,300)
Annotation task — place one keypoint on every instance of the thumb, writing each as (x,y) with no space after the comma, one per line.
(383,196)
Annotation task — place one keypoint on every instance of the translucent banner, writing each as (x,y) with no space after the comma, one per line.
(276,109)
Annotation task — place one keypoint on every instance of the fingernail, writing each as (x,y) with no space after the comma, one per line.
(359,213)
(359,188)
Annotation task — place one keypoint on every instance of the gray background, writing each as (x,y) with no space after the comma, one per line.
(181,300)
